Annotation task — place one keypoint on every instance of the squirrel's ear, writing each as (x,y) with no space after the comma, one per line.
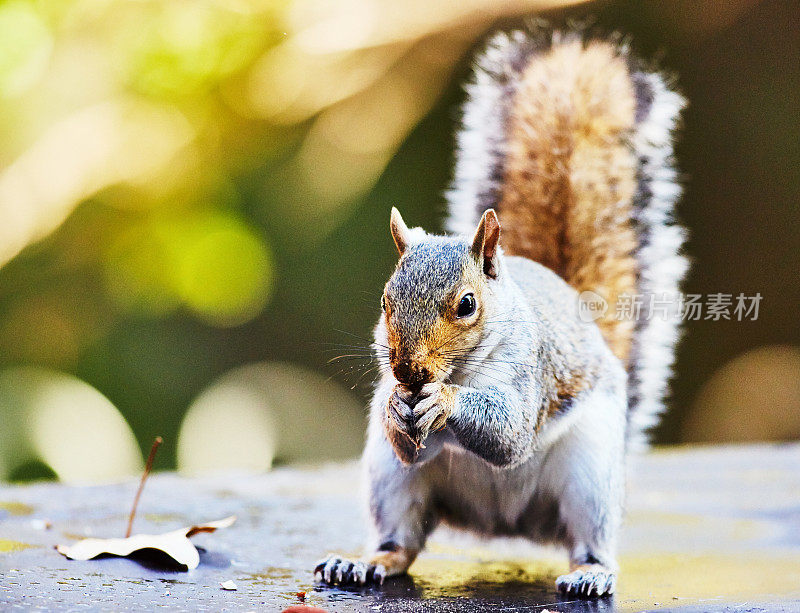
(400,232)
(484,245)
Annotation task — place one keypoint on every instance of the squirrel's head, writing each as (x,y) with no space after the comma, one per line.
(434,305)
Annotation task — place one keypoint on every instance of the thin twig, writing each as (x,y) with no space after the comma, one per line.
(147,467)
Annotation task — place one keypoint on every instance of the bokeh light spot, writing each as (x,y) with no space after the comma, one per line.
(224,272)
(754,397)
(212,263)
(268,410)
(67,424)
(228,427)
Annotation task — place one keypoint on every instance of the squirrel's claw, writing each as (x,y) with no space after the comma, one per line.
(329,568)
(319,566)
(362,573)
(344,572)
(587,583)
(335,570)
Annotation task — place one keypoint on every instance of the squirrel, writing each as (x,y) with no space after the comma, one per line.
(502,409)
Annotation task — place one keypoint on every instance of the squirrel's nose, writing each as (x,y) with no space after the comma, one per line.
(409,372)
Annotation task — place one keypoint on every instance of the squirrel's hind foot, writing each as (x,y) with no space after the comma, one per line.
(588,581)
(335,570)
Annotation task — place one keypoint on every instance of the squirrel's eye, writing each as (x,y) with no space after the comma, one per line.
(466,306)
(383,303)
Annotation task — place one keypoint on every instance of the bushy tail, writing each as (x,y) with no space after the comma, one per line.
(571,141)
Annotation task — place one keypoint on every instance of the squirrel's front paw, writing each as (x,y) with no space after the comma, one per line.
(433,409)
(399,425)
(340,571)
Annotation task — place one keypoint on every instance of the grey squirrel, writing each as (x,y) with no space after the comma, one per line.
(505,412)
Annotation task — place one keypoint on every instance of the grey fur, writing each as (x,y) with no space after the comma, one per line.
(417,310)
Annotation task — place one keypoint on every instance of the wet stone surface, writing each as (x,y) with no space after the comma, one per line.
(708,529)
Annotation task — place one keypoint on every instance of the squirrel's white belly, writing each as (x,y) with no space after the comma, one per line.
(471,493)
(526,499)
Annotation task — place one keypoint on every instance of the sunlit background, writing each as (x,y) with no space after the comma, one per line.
(194,201)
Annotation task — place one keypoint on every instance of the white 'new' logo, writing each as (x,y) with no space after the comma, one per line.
(591,306)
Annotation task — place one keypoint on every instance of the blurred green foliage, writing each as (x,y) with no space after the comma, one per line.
(187,187)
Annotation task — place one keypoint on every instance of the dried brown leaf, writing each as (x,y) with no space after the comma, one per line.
(175,544)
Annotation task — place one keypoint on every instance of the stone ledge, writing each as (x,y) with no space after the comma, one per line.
(707,529)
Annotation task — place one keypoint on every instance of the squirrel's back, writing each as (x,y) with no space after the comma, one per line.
(570,140)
